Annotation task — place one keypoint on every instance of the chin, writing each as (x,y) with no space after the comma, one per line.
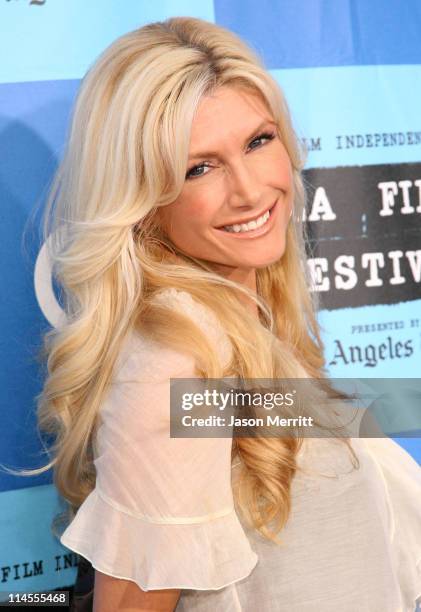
(269,262)
(267,259)
(260,263)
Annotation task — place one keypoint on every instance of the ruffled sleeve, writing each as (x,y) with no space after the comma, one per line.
(401,476)
(162,512)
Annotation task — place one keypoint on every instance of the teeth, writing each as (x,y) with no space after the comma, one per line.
(246,227)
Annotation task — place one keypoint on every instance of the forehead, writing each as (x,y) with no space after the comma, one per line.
(226,111)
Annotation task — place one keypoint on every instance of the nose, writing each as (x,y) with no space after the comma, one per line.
(245,189)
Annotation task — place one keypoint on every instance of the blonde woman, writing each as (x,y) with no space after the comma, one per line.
(174,225)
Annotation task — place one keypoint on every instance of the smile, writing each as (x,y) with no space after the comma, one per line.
(253,228)
(246,227)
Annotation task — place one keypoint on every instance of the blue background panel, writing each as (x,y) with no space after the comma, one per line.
(314,33)
(60,39)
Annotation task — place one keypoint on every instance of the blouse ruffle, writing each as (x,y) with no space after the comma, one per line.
(209,554)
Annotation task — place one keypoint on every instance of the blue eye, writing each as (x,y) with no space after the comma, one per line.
(265,135)
(191,172)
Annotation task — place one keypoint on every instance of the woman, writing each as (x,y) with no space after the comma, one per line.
(176,234)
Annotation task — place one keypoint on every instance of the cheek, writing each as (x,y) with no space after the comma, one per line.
(282,166)
(198,208)
(188,216)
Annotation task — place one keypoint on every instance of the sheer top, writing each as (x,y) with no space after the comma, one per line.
(163,515)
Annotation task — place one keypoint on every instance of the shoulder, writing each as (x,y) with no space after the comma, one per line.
(142,356)
(201,314)
(402,479)
(395,463)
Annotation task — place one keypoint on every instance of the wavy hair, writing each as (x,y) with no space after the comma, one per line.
(126,155)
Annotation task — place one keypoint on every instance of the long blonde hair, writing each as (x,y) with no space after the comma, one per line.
(126,155)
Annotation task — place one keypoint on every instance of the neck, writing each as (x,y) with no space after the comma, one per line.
(244,276)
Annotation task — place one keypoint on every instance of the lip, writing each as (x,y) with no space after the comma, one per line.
(259,231)
(248,220)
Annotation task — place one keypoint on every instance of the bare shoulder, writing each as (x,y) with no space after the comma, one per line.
(113,594)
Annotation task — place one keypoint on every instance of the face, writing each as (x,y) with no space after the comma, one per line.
(236,201)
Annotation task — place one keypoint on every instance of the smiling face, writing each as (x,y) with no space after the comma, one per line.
(238,171)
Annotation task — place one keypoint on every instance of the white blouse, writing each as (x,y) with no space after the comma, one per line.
(163,515)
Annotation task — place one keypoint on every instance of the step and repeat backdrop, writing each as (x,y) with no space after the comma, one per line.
(351,72)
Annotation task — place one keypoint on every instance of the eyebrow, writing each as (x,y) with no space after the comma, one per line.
(201,154)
